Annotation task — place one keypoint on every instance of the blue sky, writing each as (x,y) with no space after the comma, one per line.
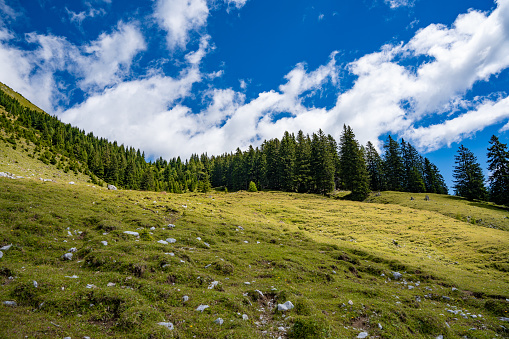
(176,77)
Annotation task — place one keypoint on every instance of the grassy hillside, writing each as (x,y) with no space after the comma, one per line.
(334,260)
(19,97)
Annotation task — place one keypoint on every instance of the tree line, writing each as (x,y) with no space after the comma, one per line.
(314,163)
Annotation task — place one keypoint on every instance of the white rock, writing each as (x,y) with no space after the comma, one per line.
(91,286)
(198,238)
(397,275)
(112,188)
(260,293)
(136,234)
(201,308)
(285,307)
(245,317)
(246,242)
(185,298)
(164,242)
(247,283)
(10,303)
(104,242)
(380,326)
(350,302)
(73,250)
(171,254)
(72,277)
(6,247)
(206,244)
(36,284)
(213,284)
(171,226)
(168,325)
(1,254)
(152,228)
(67,256)
(171,240)
(362,335)
(440,337)
(219,321)
(110,284)
(71,182)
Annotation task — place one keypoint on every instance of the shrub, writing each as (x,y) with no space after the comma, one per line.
(252,187)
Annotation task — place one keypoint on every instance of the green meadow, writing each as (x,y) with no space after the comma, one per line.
(241,254)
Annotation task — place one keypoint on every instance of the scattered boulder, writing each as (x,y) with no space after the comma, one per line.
(171,226)
(6,247)
(285,307)
(10,303)
(201,308)
(397,275)
(213,284)
(412,198)
(171,240)
(136,234)
(112,188)
(67,256)
(1,254)
(36,284)
(104,242)
(164,242)
(73,250)
(185,298)
(166,324)
(426,198)
(71,182)
(350,302)
(245,317)
(363,335)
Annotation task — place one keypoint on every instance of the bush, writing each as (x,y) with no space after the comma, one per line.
(252,187)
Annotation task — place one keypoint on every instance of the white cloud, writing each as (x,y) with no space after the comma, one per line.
(237,3)
(435,136)
(108,58)
(399,3)
(90,13)
(7,12)
(179,18)
(321,17)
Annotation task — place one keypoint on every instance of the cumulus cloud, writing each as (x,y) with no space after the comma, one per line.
(180,18)
(81,16)
(237,3)
(454,130)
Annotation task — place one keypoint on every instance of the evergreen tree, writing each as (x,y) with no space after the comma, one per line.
(433,180)
(287,162)
(375,168)
(498,165)
(348,153)
(322,163)
(303,176)
(147,180)
(469,179)
(393,165)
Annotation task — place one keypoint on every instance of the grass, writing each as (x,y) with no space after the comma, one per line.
(331,258)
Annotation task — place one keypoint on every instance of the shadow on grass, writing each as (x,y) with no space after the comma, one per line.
(478,203)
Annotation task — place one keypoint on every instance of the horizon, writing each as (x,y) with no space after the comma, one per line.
(173,78)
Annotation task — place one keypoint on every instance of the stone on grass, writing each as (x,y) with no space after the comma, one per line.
(397,275)
(362,335)
(213,284)
(171,226)
(285,307)
(73,250)
(219,321)
(67,256)
(164,242)
(185,298)
(136,234)
(503,319)
(110,284)
(72,276)
(36,284)
(112,188)
(166,324)
(245,317)
(6,247)
(201,308)
(171,240)
(10,303)
(104,242)
(440,337)
(350,302)
(1,254)
(198,238)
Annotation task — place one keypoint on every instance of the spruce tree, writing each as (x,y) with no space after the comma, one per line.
(468,176)
(375,168)
(303,163)
(348,153)
(287,162)
(322,163)
(393,165)
(498,165)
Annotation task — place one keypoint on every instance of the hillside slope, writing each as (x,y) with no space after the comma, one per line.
(334,260)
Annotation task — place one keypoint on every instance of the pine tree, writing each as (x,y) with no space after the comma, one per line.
(322,163)
(498,165)
(393,165)
(348,153)
(469,179)
(433,180)
(287,162)
(375,168)
(303,176)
